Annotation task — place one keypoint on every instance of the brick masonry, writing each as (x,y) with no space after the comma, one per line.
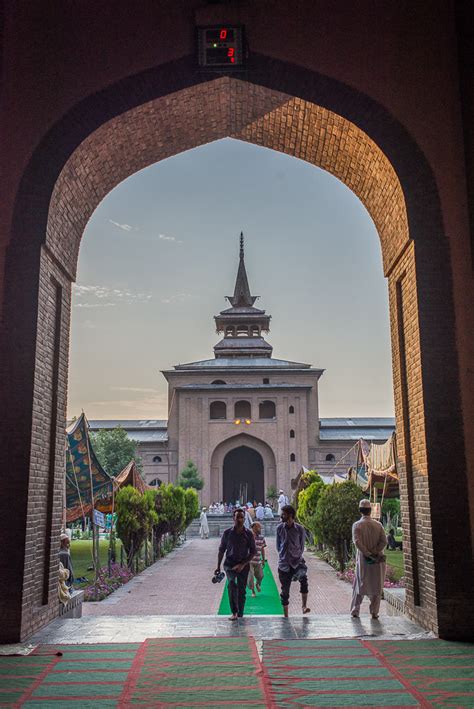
(99,136)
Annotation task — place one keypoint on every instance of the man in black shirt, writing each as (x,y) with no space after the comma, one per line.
(238,545)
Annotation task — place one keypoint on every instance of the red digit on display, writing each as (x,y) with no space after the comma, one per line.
(230,52)
(223,34)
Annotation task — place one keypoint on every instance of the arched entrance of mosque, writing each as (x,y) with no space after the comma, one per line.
(142,120)
(243,475)
(241,465)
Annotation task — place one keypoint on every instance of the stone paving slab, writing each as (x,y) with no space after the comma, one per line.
(108,629)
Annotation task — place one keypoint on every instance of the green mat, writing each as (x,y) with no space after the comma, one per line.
(267,601)
(363,673)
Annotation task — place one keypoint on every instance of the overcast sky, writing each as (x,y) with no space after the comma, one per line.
(161,251)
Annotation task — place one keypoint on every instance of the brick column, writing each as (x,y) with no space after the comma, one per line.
(34,387)
(438,554)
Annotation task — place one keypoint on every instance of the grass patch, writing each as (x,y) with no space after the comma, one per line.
(395,560)
(81,554)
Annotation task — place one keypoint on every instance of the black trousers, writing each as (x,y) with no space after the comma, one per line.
(237,583)
(285,581)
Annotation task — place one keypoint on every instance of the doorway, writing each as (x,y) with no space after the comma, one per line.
(243,477)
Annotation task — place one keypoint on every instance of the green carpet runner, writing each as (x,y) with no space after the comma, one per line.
(267,601)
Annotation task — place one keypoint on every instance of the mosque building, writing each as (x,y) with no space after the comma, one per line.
(246,419)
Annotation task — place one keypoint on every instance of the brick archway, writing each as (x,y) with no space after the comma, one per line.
(230,444)
(157,114)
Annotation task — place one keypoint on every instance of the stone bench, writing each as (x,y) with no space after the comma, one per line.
(73,608)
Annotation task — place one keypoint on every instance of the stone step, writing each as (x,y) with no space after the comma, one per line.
(219,523)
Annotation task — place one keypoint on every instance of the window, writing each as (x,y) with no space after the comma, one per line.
(229,332)
(267,410)
(242,410)
(218,410)
(292,458)
(157,459)
(266,380)
(255,331)
(218,381)
(242,331)
(330,458)
(156,482)
(291,410)
(292,434)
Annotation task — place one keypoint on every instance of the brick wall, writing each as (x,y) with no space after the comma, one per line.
(105,140)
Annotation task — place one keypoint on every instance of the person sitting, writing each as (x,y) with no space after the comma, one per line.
(260,512)
(65,558)
(268,512)
(392,543)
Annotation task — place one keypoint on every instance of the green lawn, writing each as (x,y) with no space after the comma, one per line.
(81,554)
(395,560)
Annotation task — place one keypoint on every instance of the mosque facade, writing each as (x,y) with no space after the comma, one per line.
(247,420)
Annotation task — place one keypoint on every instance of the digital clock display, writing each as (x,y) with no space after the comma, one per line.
(220,46)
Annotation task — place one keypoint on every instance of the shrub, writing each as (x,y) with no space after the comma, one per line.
(136,516)
(336,512)
(190,477)
(191,503)
(307,504)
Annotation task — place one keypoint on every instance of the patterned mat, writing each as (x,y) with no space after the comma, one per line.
(227,672)
(359,673)
(181,672)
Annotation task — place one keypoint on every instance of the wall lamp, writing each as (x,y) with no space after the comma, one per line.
(239,421)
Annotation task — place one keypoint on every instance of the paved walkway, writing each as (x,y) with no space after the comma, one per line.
(180,584)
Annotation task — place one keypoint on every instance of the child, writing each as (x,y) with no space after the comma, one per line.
(258,561)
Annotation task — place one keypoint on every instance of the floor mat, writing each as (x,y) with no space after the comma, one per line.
(198,672)
(181,672)
(361,673)
(267,602)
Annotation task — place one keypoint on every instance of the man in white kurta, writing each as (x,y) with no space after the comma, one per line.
(204,524)
(370,541)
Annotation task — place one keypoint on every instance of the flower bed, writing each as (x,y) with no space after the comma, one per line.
(107,582)
(390,581)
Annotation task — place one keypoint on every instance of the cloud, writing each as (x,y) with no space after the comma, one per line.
(124,227)
(178,297)
(164,237)
(96,295)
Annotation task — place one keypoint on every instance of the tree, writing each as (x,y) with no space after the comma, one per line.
(391,511)
(114,449)
(304,480)
(136,516)
(272,494)
(191,502)
(336,512)
(171,508)
(307,504)
(190,477)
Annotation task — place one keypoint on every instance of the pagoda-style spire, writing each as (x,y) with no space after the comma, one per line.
(242,323)
(242,297)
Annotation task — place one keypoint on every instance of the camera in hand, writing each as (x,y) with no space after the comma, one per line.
(218,576)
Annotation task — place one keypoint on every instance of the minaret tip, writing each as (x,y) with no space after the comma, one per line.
(241,244)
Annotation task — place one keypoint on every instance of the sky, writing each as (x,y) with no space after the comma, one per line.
(160,253)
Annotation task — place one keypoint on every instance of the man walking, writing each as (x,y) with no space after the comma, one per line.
(238,545)
(290,538)
(369,539)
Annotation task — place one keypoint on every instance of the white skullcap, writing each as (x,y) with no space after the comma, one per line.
(63,536)
(365,505)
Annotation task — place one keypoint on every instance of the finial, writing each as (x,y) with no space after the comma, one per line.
(241,244)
